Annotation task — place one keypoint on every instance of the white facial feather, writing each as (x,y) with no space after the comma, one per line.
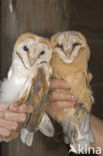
(29,43)
(66,41)
(33,56)
(23,63)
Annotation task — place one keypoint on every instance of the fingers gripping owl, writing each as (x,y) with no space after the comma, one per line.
(28,82)
(29,79)
(69,62)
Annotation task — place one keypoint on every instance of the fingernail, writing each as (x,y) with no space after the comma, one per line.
(73,97)
(13,108)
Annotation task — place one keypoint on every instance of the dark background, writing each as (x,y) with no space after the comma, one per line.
(45,17)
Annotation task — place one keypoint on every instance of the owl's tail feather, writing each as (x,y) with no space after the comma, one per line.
(45,127)
(26,137)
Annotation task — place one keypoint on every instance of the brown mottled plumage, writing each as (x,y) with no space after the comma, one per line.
(69,62)
(28,82)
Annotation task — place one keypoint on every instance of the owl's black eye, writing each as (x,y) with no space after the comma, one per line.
(60,46)
(75,44)
(42,52)
(25,48)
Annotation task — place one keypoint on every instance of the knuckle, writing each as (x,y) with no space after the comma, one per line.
(6,115)
(23,118)
(4,132)
(7,133)
(30,110)
(57,104)
(1,120)
(20,109)
(15,126)
(53,95)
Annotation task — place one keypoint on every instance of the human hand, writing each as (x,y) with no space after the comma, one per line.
(90,76)
(58,100)
(12,117)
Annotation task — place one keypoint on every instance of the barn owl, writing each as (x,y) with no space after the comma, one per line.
(28,82)
(69,62)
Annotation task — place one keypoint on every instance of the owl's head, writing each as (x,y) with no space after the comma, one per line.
(31,50)
(69,45)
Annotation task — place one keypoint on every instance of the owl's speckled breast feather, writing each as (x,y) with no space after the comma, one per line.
(75,75)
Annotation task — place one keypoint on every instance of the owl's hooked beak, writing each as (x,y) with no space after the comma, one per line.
(68,53)
(37,62)
(32,62)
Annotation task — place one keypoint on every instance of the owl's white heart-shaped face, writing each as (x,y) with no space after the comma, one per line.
(32,50)
(68,44)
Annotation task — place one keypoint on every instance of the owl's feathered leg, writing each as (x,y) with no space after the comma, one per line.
(78,131)
(45,127)
(83,116)
(70,131)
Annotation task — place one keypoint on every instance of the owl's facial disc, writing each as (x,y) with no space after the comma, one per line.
(24,51)
(32,52)
(69,45)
